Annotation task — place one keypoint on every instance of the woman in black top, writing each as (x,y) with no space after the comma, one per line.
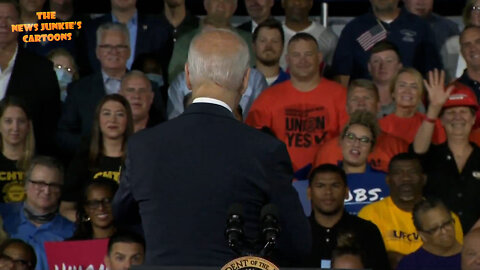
(17,146)
(94,211)
(112,126)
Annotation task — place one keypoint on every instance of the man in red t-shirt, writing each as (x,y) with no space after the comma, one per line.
(304,111)
(363,95)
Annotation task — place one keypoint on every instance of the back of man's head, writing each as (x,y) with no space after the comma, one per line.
(218,56)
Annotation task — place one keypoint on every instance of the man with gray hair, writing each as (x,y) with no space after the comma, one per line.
(148,35)
(113,51)
(37,220)
(184,175)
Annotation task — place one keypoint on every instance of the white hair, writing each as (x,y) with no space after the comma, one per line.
(224,67)
(111,26)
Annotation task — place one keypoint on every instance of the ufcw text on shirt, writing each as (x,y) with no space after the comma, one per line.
(55,26)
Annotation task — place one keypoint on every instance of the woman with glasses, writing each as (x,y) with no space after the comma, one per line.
(105,154)
(17,146)
(15,254)
(94,211)
(357,140)
(403,123)
(436,227)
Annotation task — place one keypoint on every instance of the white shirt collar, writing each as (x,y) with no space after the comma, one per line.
(212,101)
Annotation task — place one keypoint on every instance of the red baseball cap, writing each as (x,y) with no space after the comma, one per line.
(461,95)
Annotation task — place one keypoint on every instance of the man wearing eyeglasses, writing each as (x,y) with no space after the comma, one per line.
(37,221)
(440,249)
(363,95)
(147,34)
(393,214)
(113,50)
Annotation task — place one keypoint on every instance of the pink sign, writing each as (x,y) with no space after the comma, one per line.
(76,255)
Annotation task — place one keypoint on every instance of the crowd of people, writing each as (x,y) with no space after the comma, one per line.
(145,128)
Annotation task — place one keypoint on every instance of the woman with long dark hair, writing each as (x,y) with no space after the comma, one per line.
(112,126)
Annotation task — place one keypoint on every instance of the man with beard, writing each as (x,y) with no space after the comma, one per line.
(410,33)
(327,191)
(393,214)
(268,46)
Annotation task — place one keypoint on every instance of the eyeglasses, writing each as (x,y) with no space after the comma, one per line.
(94,204)
(20,262)
(64,67)
(351,138)
(109,47)
(442,226)
(476,8)
(43,185)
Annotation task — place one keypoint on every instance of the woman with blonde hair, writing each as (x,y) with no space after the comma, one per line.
(407,91)
(17,147)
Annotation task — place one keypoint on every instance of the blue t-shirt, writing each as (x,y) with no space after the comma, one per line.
(424,260)
(411,34)
(365,188)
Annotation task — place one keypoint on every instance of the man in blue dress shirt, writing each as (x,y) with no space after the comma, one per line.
(36,220)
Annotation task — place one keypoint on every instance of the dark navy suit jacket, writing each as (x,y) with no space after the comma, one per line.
(184,175)
(33,80)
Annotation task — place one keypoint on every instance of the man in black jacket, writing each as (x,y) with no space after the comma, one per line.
(332,226)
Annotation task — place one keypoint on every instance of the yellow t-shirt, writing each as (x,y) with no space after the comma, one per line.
(396,226)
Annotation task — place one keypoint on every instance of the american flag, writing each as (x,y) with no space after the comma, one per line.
(372,36)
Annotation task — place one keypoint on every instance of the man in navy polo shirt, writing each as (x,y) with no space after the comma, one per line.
(411,34)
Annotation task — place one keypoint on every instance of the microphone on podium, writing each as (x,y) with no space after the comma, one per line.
(270,228)
(234,231)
